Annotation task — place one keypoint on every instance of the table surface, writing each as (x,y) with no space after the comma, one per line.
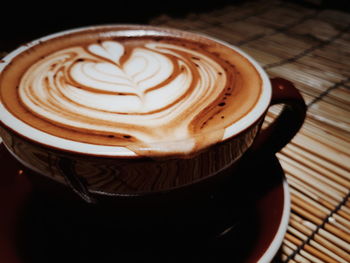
(310,47)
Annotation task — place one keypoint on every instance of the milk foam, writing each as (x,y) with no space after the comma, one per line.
(152,97)
(90,89)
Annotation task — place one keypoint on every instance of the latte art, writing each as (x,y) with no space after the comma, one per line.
(153,78)
(152,96)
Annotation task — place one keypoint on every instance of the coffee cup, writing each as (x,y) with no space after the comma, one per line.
(124,111)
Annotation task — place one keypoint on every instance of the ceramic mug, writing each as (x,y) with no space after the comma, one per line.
(94,176)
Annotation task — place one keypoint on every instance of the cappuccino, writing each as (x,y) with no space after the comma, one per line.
(130,91)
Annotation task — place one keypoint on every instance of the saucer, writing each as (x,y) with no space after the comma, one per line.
(36,231)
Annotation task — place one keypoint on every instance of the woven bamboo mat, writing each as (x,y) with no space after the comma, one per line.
(311,48)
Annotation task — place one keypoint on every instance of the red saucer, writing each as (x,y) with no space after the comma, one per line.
(255,237)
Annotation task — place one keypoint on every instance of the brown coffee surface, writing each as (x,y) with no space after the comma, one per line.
(154,91)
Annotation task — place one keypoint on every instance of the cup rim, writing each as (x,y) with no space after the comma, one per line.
(58,143)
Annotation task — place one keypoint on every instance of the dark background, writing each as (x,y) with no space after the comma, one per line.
(21,22)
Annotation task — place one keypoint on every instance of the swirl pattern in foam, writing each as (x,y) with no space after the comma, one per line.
(154,96)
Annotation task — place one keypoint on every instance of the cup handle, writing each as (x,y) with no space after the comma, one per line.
(280,132)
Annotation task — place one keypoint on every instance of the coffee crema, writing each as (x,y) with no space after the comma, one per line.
(153,92)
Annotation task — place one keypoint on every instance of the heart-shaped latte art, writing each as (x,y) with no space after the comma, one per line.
(138,85)
(122,93)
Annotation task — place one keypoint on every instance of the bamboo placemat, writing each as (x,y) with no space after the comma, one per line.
(310,47)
